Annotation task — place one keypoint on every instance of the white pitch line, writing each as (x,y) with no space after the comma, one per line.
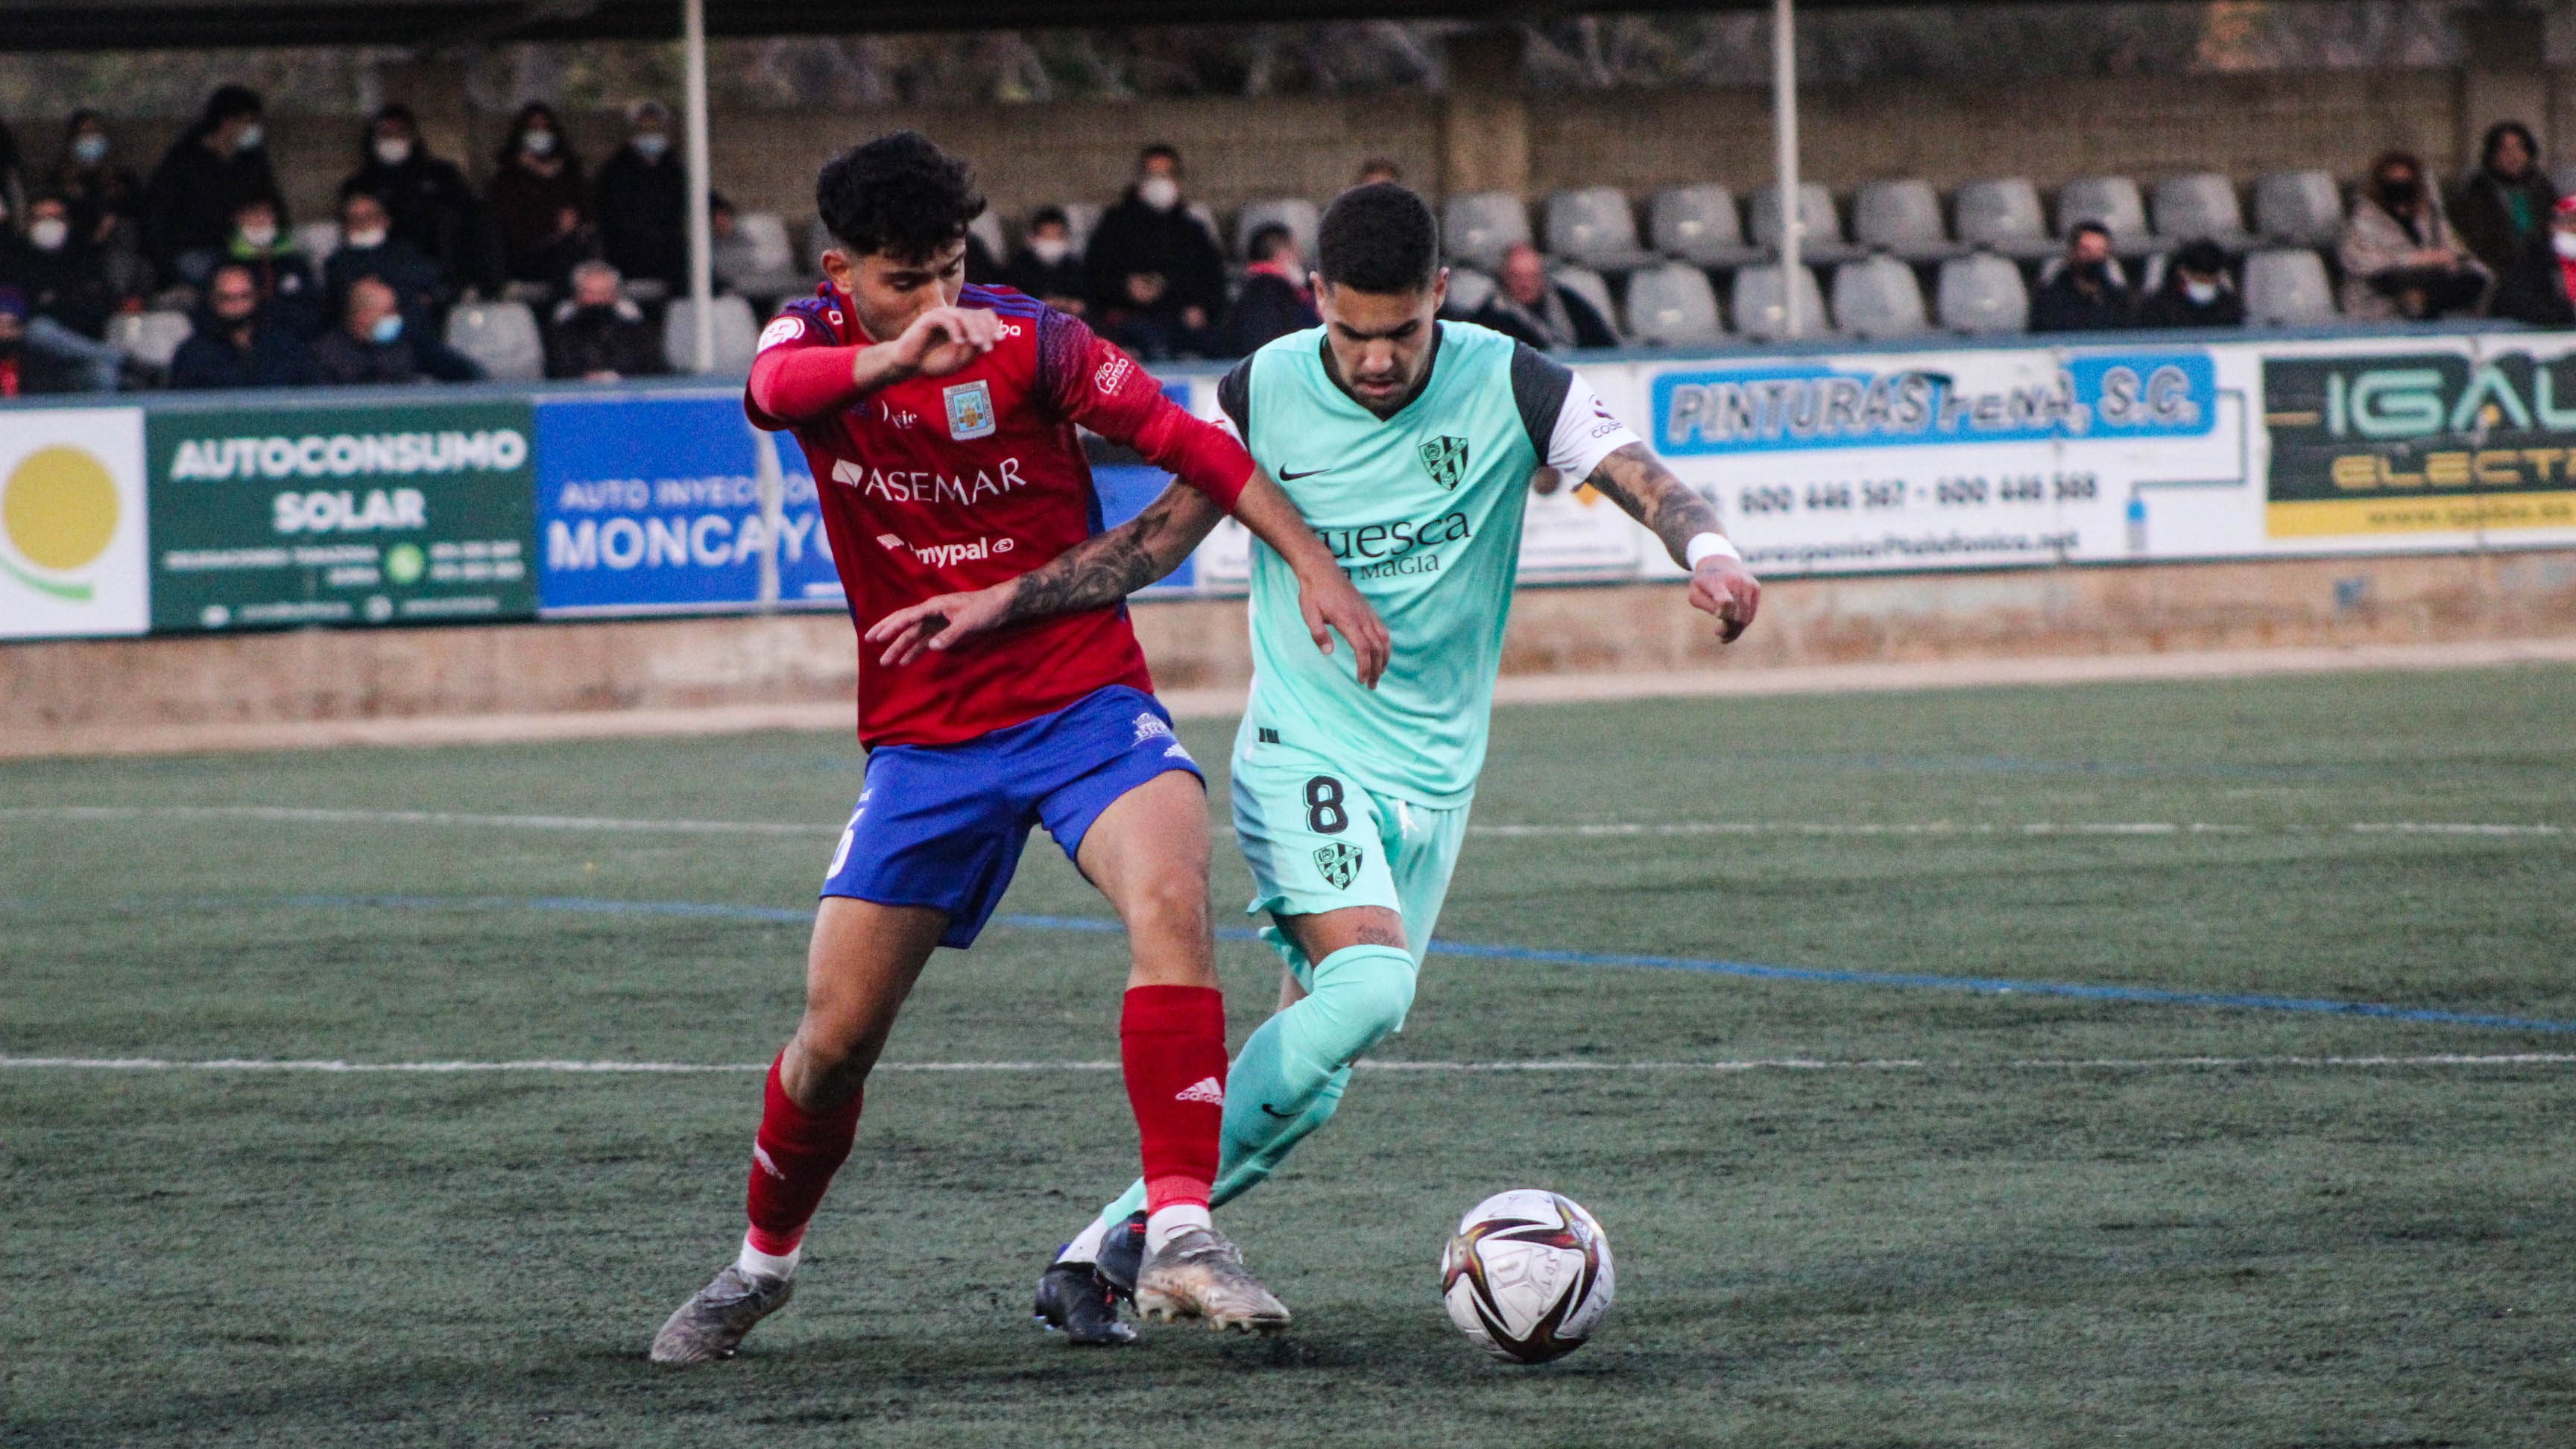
(1755,1064)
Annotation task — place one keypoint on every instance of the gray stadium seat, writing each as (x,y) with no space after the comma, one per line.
(1469,290)
(1878,297)
(2286,287)
(1673,306)
(1902,218)
(2298,208)
(1759,304)
(736,336)
(987,228)
(1081,219)
(1822,242)
(1699,224)
(1293,212)
(317,239)
(2112,201)
(1477,227)
(1587,284)
(1982,294)
(150,338)
(1593,227)
(2563,176)
(2002,215)
(773,270)
(2200,206)
(502,336)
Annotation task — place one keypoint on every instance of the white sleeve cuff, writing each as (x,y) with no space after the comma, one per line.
(1708,546)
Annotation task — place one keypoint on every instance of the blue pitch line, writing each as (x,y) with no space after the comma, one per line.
(1980,985)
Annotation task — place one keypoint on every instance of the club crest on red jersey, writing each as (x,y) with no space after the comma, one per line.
(970,411)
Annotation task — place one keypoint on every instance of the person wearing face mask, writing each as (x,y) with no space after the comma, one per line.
(238,343)
(368,248)
(66,294)
(597,335)
(425,197)
(105,196)
(290,296)
(2088,292)
(374,343)
(642,202)
(2401,259)
(1156,276)
(213,167)
(1046,266)
(539,199)
(2196,292)
(2503,216)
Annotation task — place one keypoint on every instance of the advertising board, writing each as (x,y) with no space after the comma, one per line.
(72,523)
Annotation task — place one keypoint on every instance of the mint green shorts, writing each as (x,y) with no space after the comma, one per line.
(1319,841)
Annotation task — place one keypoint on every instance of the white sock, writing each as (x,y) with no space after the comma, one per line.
(1085,1248)
(755,1261)
(1170,1222)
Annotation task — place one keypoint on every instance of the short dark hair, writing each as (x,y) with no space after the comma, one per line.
(898,194)
(1163,149)
(229,101)
(2083,227)
(2203,256)
(1046,214)
(1378,238)
(1267,240)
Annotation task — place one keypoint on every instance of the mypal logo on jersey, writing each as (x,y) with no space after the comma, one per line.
(1445,459)
(970,411)
(72,557)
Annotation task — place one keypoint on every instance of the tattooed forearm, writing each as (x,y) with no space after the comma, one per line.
(1647,492)
(1101,570)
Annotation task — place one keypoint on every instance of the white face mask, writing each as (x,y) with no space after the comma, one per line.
(91,149)
(651,145)
(261,236)
(538,143)
(250,138)
(49,233)
(2202,293)
(361,240)
(393,150)
(2563,243)
(1050,249)
(1159,192)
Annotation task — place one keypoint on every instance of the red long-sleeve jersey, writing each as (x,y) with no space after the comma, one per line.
(937,485)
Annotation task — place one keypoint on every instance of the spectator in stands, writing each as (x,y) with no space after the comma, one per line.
(368,248)
(539,199)
(2562,248)
(2087,294)
(425,197)
(2400,256)
(2503,215)
(375,343)
(290,297)
(1157,279)
(22,371)
(1529,306)
(2197,291)
(13,172)
(1376,169)
(1045,266)
(63,299)
(213,167)
(105,196)
(597,335)
(1276,299)
(237,343)
(642,202)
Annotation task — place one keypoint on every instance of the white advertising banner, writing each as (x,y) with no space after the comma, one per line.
(73,558)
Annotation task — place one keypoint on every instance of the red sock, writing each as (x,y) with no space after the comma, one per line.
(792,1162)
(1172,1040)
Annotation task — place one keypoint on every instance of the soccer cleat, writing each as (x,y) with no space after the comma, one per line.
(712,1323)
(1074,1300)
(1121,1254)
(1198,1274)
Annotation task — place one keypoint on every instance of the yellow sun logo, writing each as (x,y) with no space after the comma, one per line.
(59,512)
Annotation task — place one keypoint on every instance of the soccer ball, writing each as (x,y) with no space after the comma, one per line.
(1528,1275)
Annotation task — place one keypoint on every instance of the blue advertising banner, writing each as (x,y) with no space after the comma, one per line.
(1898,401)
(651,503)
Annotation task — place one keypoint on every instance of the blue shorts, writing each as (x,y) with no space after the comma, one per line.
(943,825)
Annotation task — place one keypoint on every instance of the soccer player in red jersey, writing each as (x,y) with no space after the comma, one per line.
(940,421)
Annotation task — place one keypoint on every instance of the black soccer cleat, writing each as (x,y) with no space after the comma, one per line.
(1122,1254)
(1074,1300)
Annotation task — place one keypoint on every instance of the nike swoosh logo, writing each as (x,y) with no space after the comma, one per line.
(1287,477)
(1282,1116)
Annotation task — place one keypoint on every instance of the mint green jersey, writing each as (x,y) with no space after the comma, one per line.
(1424,512)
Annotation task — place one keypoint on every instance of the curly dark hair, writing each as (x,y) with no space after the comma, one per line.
(898,194)
(1378,238)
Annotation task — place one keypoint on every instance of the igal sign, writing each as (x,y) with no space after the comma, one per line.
(349,515)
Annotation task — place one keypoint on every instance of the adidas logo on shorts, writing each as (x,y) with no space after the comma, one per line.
(1205,1089)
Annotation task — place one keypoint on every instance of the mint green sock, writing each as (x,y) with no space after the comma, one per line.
(1288,1079)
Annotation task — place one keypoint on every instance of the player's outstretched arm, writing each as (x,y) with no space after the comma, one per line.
(1648,492)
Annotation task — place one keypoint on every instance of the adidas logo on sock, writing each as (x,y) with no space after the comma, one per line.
(760,1154)
(1205,1089)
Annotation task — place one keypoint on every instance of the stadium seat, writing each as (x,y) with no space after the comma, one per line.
(502,337)
(1982,294)
(1821,243)
(987,228)
(1672,305)
(1902,218)
(736,336)
(1589,285)
(2286,287)
(774,270)
(1479,226)
(2002,215)
(1593,227)
(1081,219)
(2298,208)
(2563,176)
(1296,213)
(2112,201)
(1469,291)
(150,338)
(1760,304)
(2200,206)
(1878,297)
(1699,224)
(317,239)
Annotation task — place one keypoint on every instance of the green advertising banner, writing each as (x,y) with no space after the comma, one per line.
(374,514)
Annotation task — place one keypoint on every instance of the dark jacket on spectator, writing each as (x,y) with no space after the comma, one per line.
(1582,324)
(2171,306)
(343,360)
(982,267)
(584,340)
(1133,237)
(1027,274)
(643,216)
(69,285)
(416,279)
(189,202)
(290,295)
(2505,224)
(2061,306)
(96,193)
(431,208)
(273,357)
(525,205)
(1269,306)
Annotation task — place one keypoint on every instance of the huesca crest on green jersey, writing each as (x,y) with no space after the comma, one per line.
(1340,863)
(1445,459)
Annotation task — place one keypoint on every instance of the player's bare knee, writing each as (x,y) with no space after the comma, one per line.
(1172,906)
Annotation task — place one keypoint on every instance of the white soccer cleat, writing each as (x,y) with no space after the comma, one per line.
(1198,1274)
(712,1323)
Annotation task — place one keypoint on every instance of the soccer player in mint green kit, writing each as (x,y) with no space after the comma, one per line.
(1407,443)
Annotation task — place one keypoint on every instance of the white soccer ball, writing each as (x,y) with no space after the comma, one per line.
(1528,1275)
